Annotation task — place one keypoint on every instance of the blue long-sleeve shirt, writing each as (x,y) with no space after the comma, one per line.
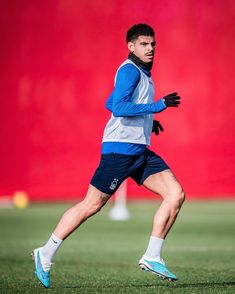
(120,104)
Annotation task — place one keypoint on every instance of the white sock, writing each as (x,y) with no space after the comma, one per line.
(49,249)
(154,247)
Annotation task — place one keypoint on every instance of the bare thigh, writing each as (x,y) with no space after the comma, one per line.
(163,183)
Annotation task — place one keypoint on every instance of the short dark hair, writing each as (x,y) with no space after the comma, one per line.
(139,30)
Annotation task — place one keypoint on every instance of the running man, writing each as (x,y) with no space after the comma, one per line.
(125,153)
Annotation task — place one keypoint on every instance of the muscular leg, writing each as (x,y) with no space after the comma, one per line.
(69,222)
(80,212)
(166,185)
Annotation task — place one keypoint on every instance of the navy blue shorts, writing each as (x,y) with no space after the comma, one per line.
(114,168)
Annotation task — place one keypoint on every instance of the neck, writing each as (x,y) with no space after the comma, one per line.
(144,65)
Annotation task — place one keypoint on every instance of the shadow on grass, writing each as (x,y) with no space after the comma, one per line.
(206,284)
(170,284)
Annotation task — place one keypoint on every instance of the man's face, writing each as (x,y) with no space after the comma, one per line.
(143,47)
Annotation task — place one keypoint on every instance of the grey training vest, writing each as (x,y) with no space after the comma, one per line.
(133,129)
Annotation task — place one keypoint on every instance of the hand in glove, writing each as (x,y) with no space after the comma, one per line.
(157,127)
(171,100)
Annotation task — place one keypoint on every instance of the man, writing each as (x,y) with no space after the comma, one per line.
(125,154)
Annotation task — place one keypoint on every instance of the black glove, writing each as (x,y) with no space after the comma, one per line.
(157,127)
(171,100)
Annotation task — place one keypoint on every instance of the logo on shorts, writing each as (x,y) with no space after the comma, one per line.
(113,184)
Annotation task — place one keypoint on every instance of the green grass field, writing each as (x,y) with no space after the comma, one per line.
(102,256)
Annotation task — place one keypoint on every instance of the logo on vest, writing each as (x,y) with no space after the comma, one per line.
(113,184)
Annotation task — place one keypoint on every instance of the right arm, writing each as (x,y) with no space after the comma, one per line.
(120,101)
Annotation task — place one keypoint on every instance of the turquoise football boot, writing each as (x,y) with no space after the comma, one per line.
(157,267)
(42,271)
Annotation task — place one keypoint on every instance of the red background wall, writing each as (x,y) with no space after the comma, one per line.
(58,60)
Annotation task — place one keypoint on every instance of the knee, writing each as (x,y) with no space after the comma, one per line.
(91,208)
(177,197)
(181,197)
(94,206)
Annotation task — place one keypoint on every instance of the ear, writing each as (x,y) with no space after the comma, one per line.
(131,46)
